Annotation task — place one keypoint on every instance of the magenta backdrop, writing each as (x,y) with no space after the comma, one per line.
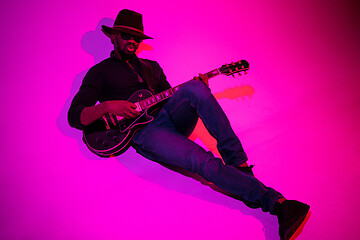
(296,112)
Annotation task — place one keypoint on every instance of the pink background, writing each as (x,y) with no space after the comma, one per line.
(296,112)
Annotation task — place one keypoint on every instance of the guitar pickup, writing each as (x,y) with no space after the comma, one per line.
(138,107)
(107,126)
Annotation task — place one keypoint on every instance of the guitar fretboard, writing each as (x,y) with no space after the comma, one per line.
(146,103)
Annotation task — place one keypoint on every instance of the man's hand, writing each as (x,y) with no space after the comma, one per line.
(118,107)
(122,108)
(202,78)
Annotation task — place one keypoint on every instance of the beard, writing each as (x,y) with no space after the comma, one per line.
(128,51)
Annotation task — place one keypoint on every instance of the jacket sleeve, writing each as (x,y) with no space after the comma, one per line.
(87,95)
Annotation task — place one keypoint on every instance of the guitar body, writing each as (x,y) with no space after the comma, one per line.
(111,135)
(108,137)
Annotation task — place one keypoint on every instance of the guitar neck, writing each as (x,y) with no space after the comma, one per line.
(151,101)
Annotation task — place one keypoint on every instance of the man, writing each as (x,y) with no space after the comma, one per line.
(164,140)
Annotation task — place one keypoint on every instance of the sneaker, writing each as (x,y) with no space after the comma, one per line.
(291,214)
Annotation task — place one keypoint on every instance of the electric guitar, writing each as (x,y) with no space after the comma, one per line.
(110,135)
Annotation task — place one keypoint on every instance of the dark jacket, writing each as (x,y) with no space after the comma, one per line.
(114,79)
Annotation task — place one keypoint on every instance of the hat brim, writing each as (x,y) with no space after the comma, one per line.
(109,30)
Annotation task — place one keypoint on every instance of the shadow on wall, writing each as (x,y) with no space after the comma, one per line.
(99,46)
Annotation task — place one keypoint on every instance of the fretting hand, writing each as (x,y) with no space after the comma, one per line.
(202,78)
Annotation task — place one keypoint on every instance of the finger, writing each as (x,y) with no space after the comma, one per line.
(132,105)
(126,116)
(130,115)
(134,112)
(203,77)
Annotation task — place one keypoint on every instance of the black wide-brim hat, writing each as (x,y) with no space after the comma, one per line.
(127,21)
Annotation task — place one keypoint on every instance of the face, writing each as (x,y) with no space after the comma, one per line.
(125,45)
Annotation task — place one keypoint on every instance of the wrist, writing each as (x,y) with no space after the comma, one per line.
(104,108)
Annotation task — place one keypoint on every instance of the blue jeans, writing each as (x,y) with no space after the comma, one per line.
(165,140)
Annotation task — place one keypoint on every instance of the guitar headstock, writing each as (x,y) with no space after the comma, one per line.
(234,67)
